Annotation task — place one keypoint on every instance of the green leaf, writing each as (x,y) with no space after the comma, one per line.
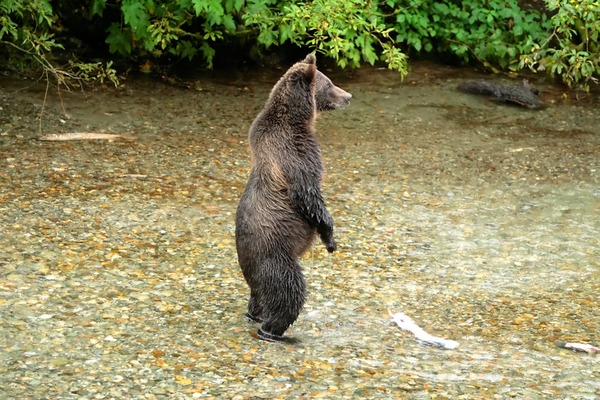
(199,6)
(233,5)
(266,37)
(285,33)
(500,51)
(135,16)
(441,7)
(9,27)
(208,53)
(119,41)
(97,7)
(416,44)
(214,11)
(229,23)
(517,30)
(369,54)
(188,50)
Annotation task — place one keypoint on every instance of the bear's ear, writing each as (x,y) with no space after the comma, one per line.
(310,72)
(310,59)
(305,75)
(303,72)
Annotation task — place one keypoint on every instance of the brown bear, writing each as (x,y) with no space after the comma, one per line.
(282,208)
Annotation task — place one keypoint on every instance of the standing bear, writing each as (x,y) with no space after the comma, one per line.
(282,208)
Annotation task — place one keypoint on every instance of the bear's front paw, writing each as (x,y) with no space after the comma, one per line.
(326,234)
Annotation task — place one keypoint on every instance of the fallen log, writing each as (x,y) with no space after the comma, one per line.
(84,136)
(524,95)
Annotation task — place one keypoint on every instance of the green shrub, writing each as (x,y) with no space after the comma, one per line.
(494,33)
(351,31)
(571,50)
(498,34)
(25,29)
(29,41)
(180,28)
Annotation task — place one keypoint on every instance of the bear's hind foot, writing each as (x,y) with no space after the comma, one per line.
(252,318)
(270,337)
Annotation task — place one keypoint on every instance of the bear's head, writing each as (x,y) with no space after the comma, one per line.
(305,90)
(327,95)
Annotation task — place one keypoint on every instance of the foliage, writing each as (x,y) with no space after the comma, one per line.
(180,28)
(27,33)
(571,50)
(493,32)
(25,27)
(350,32)
(496,33)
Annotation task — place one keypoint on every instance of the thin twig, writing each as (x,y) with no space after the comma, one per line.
(44,102)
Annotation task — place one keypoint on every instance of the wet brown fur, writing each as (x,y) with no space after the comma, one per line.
(282,209)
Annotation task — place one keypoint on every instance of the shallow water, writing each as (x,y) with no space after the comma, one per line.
(476,219)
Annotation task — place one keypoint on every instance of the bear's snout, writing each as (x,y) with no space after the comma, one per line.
(343,98)
(347,97)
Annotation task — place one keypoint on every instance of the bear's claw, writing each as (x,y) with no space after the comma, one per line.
(269,337)
(252,318)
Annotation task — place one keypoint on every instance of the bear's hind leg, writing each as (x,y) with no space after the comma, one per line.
(284,292)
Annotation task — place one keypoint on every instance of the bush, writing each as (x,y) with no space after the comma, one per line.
(179,28)
(571,51)
(350,32)
(498,34)
(494,33)
(26,30)
(28,38)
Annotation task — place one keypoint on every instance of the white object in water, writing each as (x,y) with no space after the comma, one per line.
(588,348)
(406,323)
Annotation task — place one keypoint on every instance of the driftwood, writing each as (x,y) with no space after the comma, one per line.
(525,95)
(84,136)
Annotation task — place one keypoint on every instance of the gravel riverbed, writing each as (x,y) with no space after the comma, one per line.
(478,220)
